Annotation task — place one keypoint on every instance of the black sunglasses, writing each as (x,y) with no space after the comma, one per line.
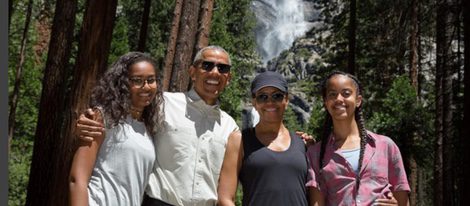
(208,66)
(276,97)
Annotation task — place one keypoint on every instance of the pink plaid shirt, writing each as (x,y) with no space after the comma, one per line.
(382,172)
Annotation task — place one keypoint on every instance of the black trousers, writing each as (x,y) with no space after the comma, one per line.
(148,201)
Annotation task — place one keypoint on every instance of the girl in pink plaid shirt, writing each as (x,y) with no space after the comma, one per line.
(353,166)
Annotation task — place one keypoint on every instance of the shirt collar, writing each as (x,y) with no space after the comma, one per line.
(370,139)
(195,99)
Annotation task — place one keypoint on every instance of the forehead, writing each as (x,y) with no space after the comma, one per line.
(268,90)
(340,82)
(215,56)
(142,67)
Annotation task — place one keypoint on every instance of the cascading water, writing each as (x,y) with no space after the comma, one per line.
(279,23)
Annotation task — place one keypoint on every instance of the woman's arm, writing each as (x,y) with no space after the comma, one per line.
(315,197)
(228,179)
(82,167)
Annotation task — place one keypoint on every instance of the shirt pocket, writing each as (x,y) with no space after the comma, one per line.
(216,153)
(380,186)
(175,147)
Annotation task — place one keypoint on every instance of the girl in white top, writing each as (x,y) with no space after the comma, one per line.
(114,170)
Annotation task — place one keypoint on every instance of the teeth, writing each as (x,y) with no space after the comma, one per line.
(339,107)
(212,81)
(271,110)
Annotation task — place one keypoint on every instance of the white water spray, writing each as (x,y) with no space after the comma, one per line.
(279,23)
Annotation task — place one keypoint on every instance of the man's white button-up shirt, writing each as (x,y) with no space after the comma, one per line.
(189,150)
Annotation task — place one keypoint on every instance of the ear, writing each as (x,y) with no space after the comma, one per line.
(192,73)
(358,101)
(253,102)
(287,100)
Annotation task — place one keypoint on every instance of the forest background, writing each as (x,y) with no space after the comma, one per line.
(411,56)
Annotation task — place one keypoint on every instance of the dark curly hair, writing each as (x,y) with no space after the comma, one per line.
(327,128)
(113,96)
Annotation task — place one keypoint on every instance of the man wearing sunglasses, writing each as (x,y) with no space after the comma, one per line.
(190,146)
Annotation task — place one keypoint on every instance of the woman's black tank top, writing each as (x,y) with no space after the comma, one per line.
(273,178)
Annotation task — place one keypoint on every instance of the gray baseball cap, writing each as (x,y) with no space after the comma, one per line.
(268,79)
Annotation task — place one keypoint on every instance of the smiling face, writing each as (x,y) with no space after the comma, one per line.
(341,97)
(142,84)
(270,105)
(209,84)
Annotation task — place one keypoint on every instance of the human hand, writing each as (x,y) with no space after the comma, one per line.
(388,201)
(90,125)
(308,139)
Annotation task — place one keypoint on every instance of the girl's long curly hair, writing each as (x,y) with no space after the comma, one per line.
(112,93)
(327,128)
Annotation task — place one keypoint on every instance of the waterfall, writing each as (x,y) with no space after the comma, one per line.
(279,23)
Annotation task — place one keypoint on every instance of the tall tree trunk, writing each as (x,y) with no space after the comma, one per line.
(205,17)
(448,143)
(412,165)
(91,60)
(43,179)
(438,161)
(43,29)
(185,44)
(443,166)
(171,47)
(144,26)
(19,74)
(189,33)
(352,37)
(414,44)
(466,116)
(95,42)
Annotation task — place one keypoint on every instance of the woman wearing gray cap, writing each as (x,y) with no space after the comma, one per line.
(268,159)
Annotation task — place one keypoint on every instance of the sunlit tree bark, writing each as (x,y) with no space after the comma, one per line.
(189,33)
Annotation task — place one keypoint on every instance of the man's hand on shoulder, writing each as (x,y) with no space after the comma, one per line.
(90,125)
(308,139)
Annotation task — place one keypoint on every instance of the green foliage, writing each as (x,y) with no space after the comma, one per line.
(131,10)
(232,24)
(403,118)
(230,99)
(317,118)
(239,196)
(161,16)
(28,101)
(291,120)
(18,171)
(30,84)
(409,123)
(119,43)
